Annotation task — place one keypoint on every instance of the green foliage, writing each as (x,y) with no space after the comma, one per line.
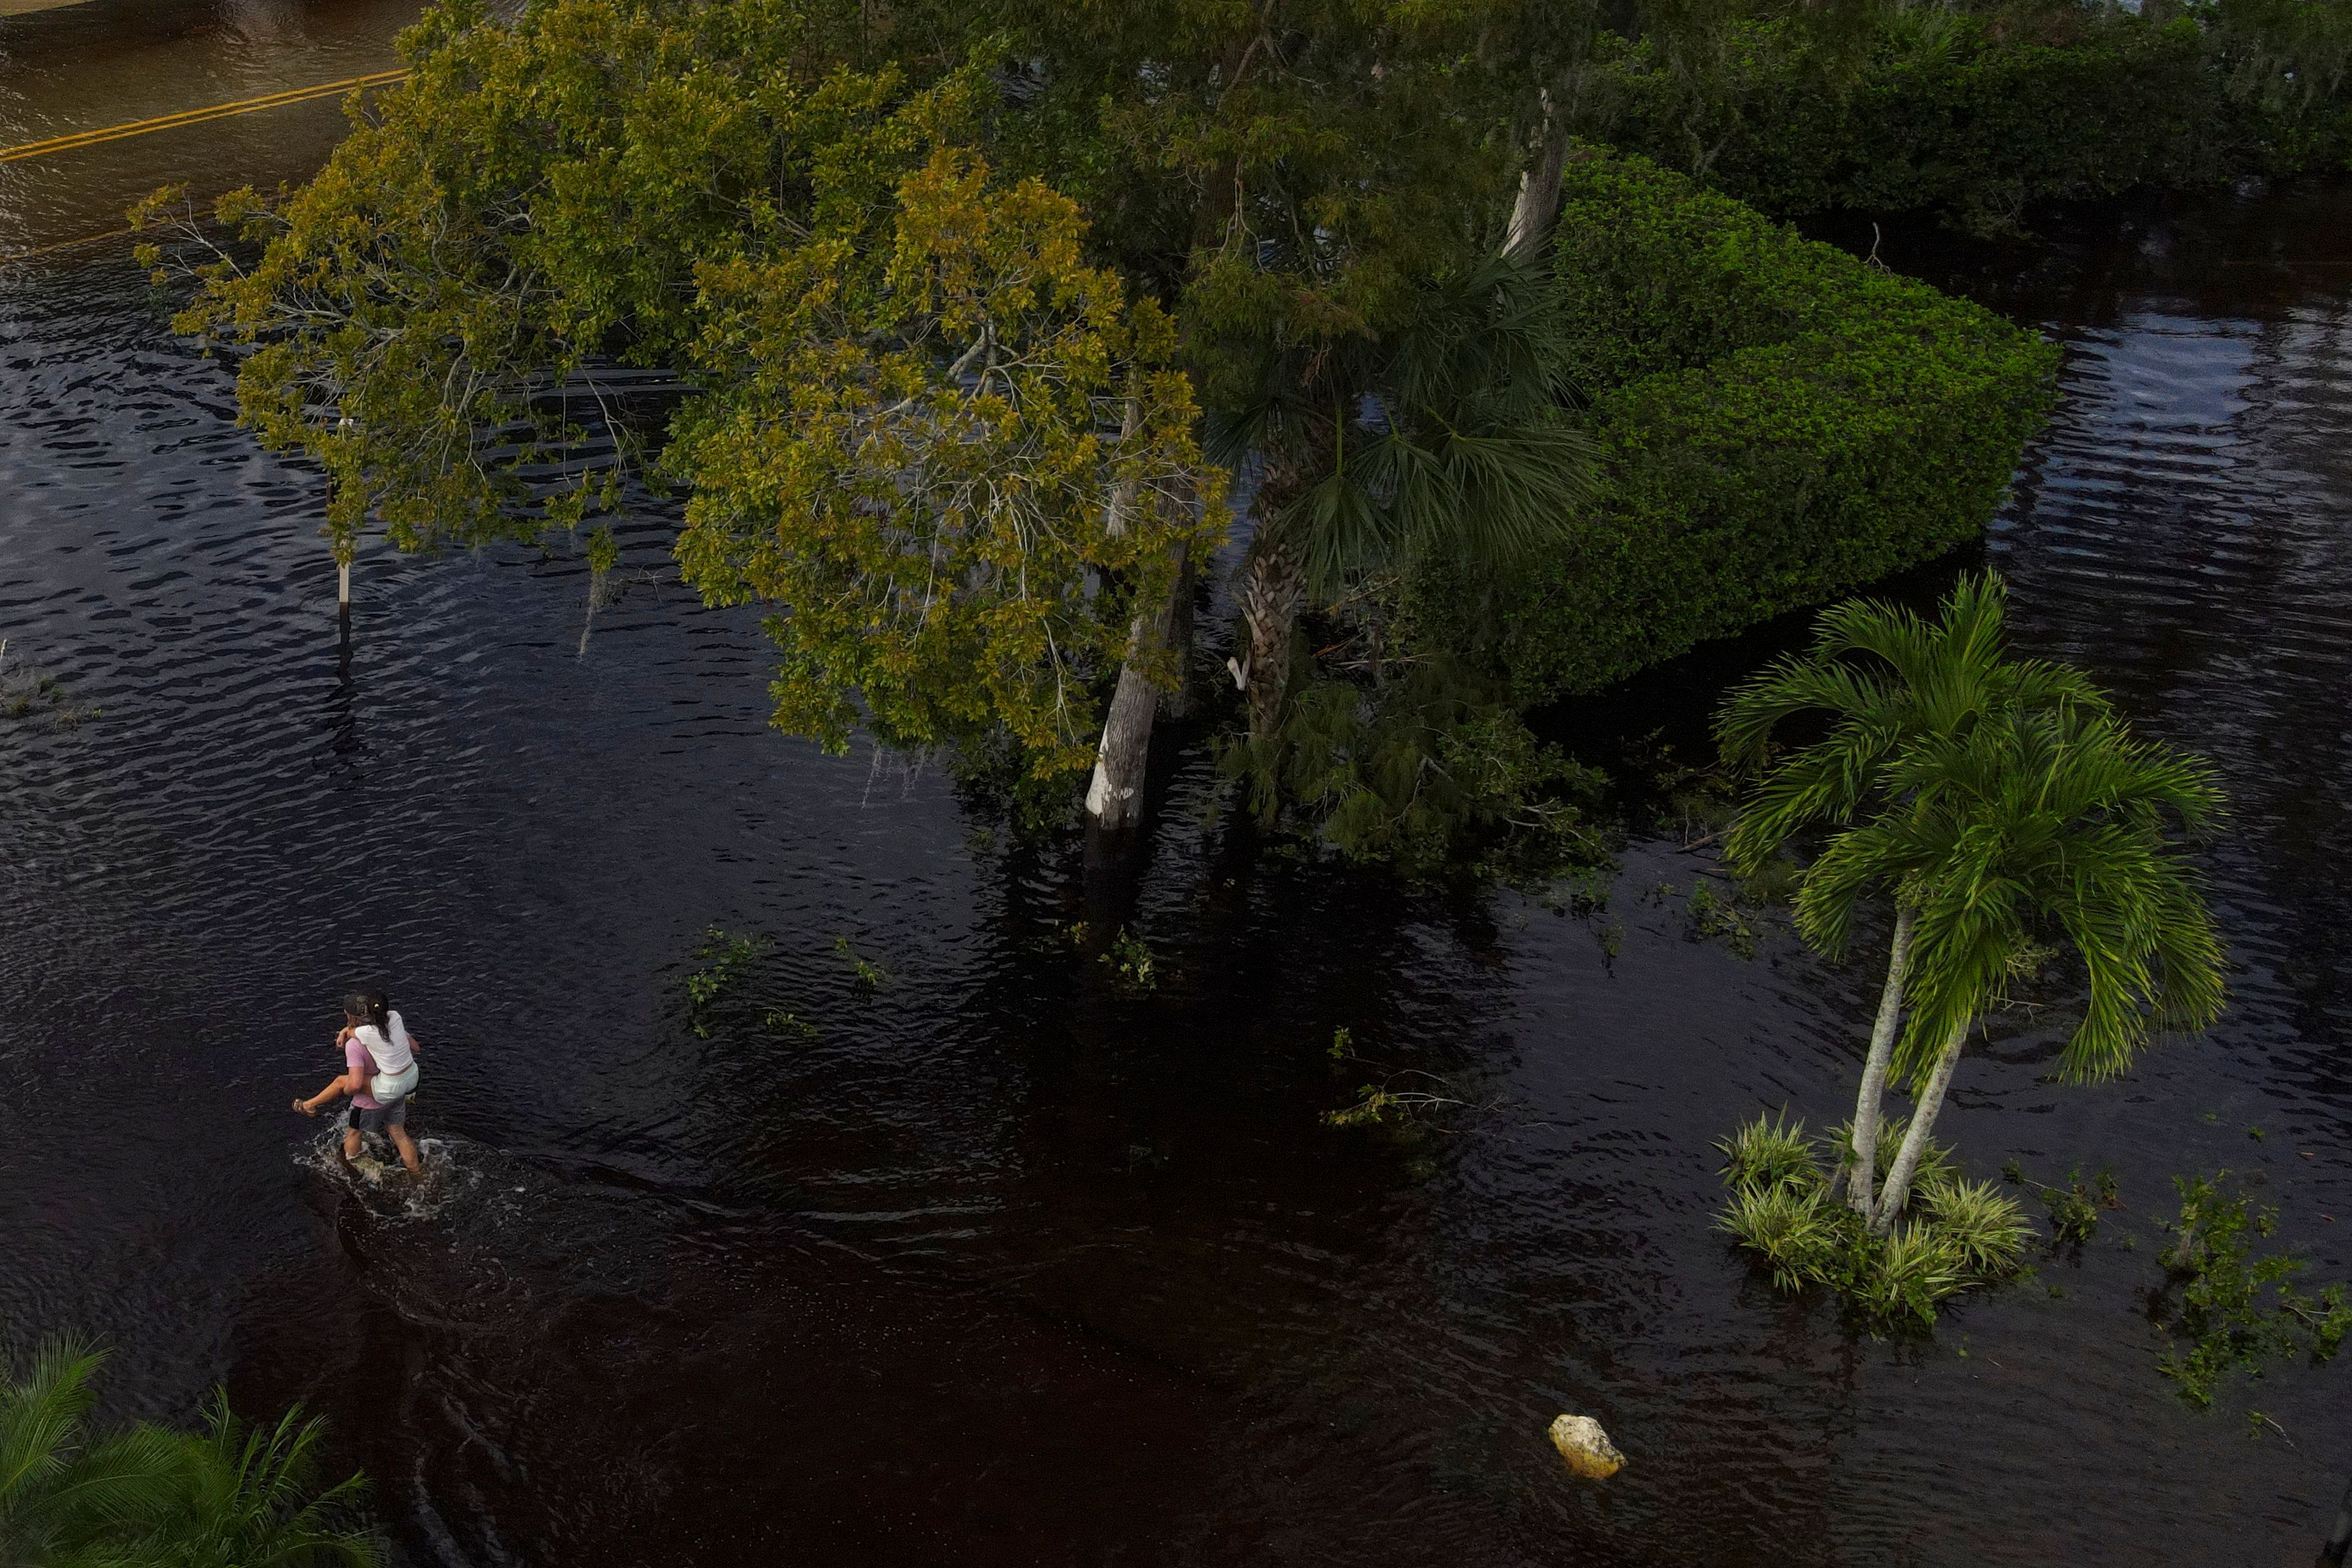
(151,1497)
(1887,680)
(1398,1102)
(1131,962)
(1984,1228)
(1769,1152)
(721,960)
(1998,802)
(905,399)
(2052,823)
(1430,771)
(252,1498)
(28,692)
(2073,1206)
(871,976)
(1795,1228)
(1780,1206)
(1777,423)
(1446,437)
(1890,107)
(1716,918)
(2236,1308)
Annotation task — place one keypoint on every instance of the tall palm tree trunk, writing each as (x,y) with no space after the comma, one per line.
(1271,601)
(1115,797)
(1915,1138)
(1861,1175)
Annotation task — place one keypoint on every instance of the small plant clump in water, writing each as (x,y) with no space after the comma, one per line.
(2075,1206)
(722,958)
(870,975)
(2236,1308)
(1131,962)
(1404,1097)
(1784,1210)
(27,692)
(1383,1105)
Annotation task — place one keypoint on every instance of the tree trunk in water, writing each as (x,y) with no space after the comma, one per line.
(1538,199)
(1178,704)
(1862,1174)
(1115,797)
(1270,604)
(1914,1139)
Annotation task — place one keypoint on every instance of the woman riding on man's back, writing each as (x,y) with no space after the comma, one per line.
(379,1074)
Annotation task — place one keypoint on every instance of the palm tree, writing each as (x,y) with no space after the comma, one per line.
(1447,438)
(2039,828)
(249,1500)
(64,1495)
(149,1497)
(1885,680)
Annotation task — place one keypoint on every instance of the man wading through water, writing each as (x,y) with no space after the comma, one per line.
(379,1074)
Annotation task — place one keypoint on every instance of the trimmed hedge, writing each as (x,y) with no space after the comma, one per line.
(1781,424)
(1981,118)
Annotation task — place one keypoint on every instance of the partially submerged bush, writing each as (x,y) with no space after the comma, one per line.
(1796,1230)
(1784,1210)
(1986,1230)
(1770,1151)
(1431,772)
(2236,1308)
(1779,424)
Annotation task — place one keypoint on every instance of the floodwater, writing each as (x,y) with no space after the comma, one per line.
(982,1256)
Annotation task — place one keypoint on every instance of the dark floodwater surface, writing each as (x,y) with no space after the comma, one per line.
(1001,1264)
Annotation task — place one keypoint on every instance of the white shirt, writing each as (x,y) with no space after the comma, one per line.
(391,1057)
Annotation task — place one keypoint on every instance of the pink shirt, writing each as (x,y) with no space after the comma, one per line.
(356,1059)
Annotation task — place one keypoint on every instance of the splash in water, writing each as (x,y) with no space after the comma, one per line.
(376,1178)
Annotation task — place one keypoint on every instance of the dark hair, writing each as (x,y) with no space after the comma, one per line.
(370,1007)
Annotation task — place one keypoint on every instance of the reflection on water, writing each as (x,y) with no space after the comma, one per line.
(1001,1264)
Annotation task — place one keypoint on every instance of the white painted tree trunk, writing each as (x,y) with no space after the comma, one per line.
(1861,1175)
(344,583)
(1915,1138)
(1115,796)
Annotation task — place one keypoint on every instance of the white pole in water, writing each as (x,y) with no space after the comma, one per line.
(343,584)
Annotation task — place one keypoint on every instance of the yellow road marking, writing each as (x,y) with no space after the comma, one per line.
(199,116)
(8,256)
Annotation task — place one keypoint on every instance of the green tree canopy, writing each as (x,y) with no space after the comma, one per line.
(937,293)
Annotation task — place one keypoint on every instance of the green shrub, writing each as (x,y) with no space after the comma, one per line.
(1768,1152)
(1432,772)
(1979,115)
(1913,1269)
(1792,1229)
(1782,1211)
(1780,423)
(1985,1228)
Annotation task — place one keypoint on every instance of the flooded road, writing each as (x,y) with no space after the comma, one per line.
(117,62)
(977,1255)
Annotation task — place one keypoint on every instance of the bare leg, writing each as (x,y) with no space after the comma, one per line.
(407,1147)
(352,1143)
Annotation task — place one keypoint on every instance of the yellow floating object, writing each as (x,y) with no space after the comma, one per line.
(1586,1447)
